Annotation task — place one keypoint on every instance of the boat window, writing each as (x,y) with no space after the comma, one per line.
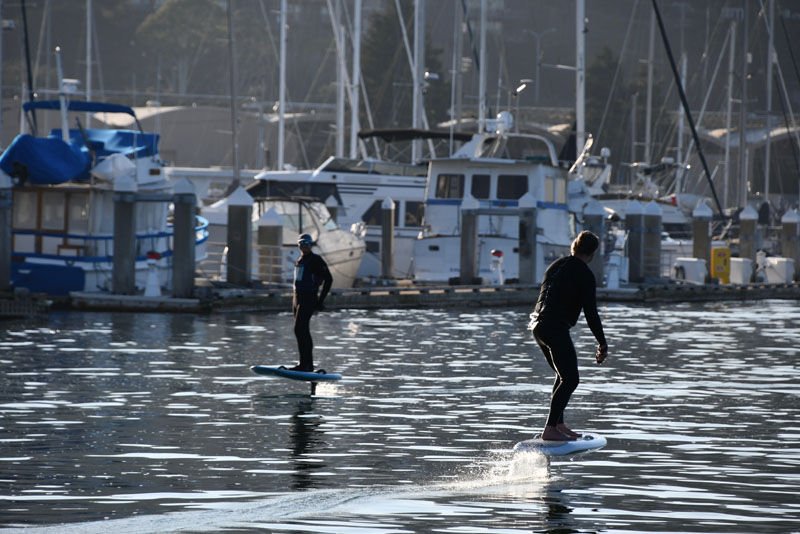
(372,217)
(480,185)
(549,189)
(53,210)
(511,186)
(561,189)
(450,186)
(78,213)
(25,210)
(414,213)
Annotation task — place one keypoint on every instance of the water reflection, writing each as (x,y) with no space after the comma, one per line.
(124,415)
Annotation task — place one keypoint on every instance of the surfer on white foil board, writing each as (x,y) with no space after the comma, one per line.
(568,287)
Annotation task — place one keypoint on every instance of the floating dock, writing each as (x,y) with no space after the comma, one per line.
(277,300)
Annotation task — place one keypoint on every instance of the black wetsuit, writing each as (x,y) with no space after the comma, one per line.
(310,271)
(567,288)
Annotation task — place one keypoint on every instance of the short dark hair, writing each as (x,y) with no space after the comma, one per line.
(586,243)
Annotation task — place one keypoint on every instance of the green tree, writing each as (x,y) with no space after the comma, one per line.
(186,35)
(387,74)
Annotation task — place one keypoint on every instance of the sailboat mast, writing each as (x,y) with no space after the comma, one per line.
(743,115)
(731,74)
(482,72)
(580,75)
(354,124)
(234,117)
(88,58)
(648,112)
(282,89)
(770,57)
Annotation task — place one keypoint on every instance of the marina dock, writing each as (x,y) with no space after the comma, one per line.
(278,300)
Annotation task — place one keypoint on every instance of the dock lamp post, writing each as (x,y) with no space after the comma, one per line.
(538,35)
(523,84)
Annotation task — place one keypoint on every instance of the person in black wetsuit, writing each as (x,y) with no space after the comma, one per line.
(567,288)
(310,272)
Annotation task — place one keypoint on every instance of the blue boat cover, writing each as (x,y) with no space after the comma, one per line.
(49,160)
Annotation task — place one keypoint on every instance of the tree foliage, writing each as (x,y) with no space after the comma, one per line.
(387,74)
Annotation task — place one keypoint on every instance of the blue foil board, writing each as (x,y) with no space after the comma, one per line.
(295,375)
(586,443)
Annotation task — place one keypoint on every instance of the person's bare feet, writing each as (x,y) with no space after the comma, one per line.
(551,433)
(567,432)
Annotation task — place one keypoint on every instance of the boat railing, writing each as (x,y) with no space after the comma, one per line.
(102,241)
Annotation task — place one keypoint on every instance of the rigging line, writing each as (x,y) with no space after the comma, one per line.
(616,72)
(411,65)
(784,97)
(690,147)
(783,84)
(685,104)
(788,43)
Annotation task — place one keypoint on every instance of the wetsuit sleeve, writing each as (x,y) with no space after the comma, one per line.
(327,280)
(590,309)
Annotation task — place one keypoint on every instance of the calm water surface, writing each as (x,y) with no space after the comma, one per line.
(154,423)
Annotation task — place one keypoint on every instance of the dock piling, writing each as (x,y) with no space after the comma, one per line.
(123,280)
(6,205)
(240,216)
(183,261)
(387,238)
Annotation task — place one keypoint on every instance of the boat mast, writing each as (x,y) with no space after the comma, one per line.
(580,75)
(341,75)
(731,73)
(354,123)
(417,74)
(282,89)
(743,186)
(234,117)
(482,73)
(88,58)
(770,57)
(648,112)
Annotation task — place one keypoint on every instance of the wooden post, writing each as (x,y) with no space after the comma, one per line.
(240,232)
(527,240)
(123,280)
(468,266)
(701,233)
(594,220)
(183,246)
(748,219)
(652,241)
(6,206)
(270,247)
(634,225)
(790,239)
(387,238)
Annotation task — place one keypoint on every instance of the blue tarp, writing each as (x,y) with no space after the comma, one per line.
(47,160)
(50,160)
